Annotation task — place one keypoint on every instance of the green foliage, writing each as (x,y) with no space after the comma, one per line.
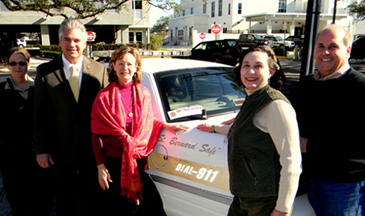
(156,41)
(358,8)
(161,26)
(49,54)
(280,51)
(78,9)
(55,48)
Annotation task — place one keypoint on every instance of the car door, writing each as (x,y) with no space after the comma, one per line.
(200,52)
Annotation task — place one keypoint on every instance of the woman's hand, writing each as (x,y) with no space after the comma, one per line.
(205,127)
(278,213)
(174,128)
(227,122)
(104,177)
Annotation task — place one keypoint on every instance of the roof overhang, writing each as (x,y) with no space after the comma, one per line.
(138,27)
(288,17)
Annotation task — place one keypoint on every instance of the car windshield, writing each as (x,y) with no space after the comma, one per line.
(257,37)
(279,38)
(186,93)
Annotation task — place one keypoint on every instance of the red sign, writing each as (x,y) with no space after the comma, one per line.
(202,35)
(91,36)
(216,29)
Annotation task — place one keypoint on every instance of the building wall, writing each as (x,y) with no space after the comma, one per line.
(116,19)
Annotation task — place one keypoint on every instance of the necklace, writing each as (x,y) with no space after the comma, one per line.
(130,114)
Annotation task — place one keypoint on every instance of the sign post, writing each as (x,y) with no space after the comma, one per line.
(216,29)
(90,36)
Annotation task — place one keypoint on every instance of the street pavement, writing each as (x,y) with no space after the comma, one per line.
(290,67)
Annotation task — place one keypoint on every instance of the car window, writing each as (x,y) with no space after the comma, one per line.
(231,43)
(202,46)
(211,89)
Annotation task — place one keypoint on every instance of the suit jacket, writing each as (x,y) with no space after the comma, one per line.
(62,127)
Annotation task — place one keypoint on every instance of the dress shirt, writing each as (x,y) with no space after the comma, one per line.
(78,68)
(23,92)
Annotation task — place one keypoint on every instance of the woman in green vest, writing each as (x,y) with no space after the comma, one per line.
(264,156)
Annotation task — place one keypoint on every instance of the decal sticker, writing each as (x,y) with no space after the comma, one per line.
(186,111)
(200,173)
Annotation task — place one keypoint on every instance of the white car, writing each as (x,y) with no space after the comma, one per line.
(190,170)
(21,42)
(279,41)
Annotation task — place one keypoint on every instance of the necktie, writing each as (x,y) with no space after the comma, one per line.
(74,83)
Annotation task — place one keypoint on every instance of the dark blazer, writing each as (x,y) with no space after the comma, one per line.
(61,125)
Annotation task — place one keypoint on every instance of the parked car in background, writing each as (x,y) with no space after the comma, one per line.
(279,41)
(248,40)
(21,42)
(221,51)
(297,39)
(357,51)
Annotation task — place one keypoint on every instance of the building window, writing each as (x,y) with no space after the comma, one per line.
(220,8)
(184,12)
(213,9)
(180,33)
(137,4)
(229,9)
(239,8)
(282,6)
(204,8)
(192,10)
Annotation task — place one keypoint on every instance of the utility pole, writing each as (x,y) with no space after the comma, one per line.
(334,12)
(311,30)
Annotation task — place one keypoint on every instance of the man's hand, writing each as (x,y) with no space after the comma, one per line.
(44,160)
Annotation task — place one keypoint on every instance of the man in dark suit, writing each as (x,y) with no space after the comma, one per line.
(65,89)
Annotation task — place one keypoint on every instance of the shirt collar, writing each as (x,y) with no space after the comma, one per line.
(342,71)
(67,65)
(29,84)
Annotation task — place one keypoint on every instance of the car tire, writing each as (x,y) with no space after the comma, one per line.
(217,59)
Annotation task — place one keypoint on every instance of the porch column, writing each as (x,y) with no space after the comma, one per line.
(292,27)
(45,35)
(269,28)
(118,34)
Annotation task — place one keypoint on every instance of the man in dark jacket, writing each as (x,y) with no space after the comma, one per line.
(330,109)
(65,89)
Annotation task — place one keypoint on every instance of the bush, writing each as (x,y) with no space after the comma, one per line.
(280,51)
(49,54)
(156,41)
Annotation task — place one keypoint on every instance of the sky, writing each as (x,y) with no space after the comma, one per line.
(156,13)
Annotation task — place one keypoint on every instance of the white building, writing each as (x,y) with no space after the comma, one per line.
(265,17)
(130,24)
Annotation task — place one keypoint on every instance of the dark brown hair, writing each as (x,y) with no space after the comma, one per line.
(120,53)
(276,81)
(16,50)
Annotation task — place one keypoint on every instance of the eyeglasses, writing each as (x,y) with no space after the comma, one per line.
(21,63)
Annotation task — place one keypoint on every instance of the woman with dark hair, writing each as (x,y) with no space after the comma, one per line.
(124,134)
(25,183)
(264,156)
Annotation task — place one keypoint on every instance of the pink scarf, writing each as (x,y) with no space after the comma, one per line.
(108,118)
